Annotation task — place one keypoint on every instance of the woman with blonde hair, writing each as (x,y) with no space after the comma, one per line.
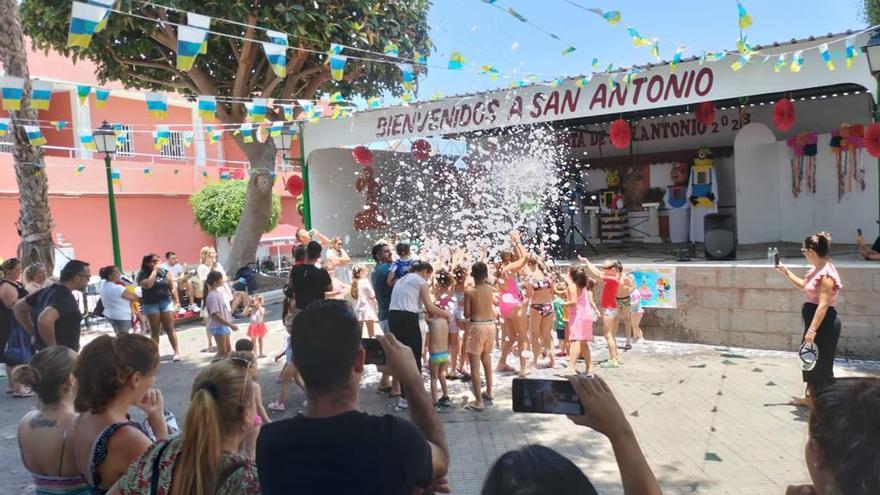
(36,277)
(11,290)
(205,459)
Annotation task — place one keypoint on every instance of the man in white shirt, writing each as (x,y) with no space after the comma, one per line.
(172,266)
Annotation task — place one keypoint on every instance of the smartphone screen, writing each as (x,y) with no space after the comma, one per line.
(375,352)
(545,396)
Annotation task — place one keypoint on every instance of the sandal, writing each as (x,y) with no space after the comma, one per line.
(23,395)
(383,390)
(276,406)
(471,407)
(486,398)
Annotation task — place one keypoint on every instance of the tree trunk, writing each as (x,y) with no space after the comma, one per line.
(257,205)
(35,220)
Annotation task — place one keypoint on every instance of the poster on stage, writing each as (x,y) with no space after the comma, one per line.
(656,286)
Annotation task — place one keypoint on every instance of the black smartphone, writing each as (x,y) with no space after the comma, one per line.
(375,352)
(859,231)
(546,397)
(776,259)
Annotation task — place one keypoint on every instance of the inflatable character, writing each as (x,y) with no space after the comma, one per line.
(702,192)
(369,218)
(676,203)
(613,216)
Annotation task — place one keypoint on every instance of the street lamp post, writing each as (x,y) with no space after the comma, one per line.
(872,50)
(105,142)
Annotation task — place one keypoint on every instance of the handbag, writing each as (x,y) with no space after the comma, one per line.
(19,348)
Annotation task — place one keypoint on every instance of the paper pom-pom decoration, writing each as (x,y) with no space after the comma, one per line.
(705,113)
(872,140)
(783,114)
(295,185)
(420,149)
(620,133)
(362,155)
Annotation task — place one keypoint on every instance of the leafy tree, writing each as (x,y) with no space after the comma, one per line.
(141,54)
(217,208)
(35,219)
(871,11)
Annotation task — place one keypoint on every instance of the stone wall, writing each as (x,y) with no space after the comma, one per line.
(757,307)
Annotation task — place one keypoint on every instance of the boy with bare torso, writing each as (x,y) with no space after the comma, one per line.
(480,312)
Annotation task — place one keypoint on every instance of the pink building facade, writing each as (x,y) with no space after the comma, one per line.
(154,185)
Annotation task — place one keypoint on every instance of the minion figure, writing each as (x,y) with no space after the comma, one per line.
(613,215)
(702,192)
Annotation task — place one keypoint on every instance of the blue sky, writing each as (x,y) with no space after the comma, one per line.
(485,35)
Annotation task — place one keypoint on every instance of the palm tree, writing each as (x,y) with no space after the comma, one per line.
(35,220)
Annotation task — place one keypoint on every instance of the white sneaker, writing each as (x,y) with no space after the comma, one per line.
(194,307)
(402,405)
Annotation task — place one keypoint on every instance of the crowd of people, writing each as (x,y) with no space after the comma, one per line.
(442,308)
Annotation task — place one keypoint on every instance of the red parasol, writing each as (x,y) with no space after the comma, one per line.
(295,185)
(362,155)
(420,149)
(872,140)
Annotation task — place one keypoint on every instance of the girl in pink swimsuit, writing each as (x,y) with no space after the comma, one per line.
(580,329)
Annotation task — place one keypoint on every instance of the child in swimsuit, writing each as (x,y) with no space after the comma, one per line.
(610,273)
(438,360)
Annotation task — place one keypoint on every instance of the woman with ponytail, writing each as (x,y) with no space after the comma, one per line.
(205,459)
(821,286)
(43,434)
(113,374)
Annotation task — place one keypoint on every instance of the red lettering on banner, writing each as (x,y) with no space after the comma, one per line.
(536,105)
(477,112)
(552,102)
(516,108)
(599,96)
(381,123)
(571,101)
(704,81)
(656,82)
(637,89)
(449,117)
(396,124)
(618,93)
(465,111)
(491,107)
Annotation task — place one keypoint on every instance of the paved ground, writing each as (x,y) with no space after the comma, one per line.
(710,420)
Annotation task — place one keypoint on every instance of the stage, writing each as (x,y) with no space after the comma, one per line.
(747,303)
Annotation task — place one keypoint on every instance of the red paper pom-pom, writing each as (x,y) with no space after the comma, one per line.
(362,155)
(620,133)
(783,114)
(705,113)
(872,140)
(420,149)
(295,185)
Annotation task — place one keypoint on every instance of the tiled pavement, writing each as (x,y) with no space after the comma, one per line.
(710,420)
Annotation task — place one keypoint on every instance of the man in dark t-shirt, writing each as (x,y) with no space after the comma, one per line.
(52,314)
(307,282)
(333,447)
(379,278)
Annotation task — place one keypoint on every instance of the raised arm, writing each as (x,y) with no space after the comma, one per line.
(794,279)
(591,267)
(606,417)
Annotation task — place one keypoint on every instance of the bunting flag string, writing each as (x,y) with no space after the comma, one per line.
(12,90)
(207,106)
(797,61)
(101,97)
(408,76)
(116,177)
(780,63)
(34,135)
(84,20)
(79,169)
(337,66)
(391,49)
(83,92)
(851,52)
(257,109)
(41,94)
(189,44)
(106,4)
(277,56)
(745,20)
(202,22)
(456,61)
(87,140)
(826,57)
(4,126)
(157,105)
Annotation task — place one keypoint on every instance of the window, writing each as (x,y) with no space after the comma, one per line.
(125,148)
(174,149)
(7,142)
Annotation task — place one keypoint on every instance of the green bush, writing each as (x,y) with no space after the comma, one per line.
(217,207)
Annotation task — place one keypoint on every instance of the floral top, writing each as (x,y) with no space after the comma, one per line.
(242,480)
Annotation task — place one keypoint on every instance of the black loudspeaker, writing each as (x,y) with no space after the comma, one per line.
(720,236)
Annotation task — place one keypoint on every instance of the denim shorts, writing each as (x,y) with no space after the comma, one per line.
(161,307)
(220,331)
(120,326)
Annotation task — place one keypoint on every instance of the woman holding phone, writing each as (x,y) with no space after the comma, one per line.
(821,287)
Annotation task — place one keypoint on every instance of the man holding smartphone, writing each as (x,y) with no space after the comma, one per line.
(869,253)
(334,447)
